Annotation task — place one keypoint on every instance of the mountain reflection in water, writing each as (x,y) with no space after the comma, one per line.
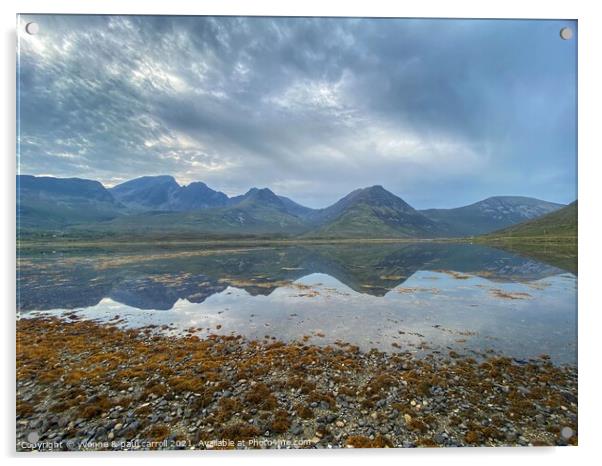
(424,296)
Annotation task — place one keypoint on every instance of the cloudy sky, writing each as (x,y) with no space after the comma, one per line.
(440,112)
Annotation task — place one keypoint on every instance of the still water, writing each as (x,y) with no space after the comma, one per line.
(421,298)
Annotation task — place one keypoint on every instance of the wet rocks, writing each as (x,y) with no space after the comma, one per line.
(101,388)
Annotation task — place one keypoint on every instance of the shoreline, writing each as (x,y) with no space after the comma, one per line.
(25,244)
(82,385)
(29,241)
(560,251)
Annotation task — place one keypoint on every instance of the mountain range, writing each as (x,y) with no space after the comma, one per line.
(158,205)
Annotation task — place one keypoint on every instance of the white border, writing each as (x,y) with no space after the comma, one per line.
(590,79)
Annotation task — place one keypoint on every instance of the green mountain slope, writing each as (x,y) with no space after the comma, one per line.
(371,212)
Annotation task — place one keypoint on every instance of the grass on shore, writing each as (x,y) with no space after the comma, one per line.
(560,251)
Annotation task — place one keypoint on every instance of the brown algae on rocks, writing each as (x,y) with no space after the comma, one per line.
(86,386)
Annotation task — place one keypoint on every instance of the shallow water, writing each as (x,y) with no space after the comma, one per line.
(396,297)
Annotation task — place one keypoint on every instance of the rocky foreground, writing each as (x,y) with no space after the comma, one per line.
(86,386)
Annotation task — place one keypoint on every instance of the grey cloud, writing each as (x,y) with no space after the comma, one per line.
(440,112)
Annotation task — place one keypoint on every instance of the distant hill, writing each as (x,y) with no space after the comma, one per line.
(562,222)
(146,193)
(196,196)
(490,214)
(371,212)
(258,212)
(296,209)
(163,193)
(551,238)
(256,197)
(45,202)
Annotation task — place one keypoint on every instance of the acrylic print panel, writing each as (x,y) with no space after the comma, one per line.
(246,232)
